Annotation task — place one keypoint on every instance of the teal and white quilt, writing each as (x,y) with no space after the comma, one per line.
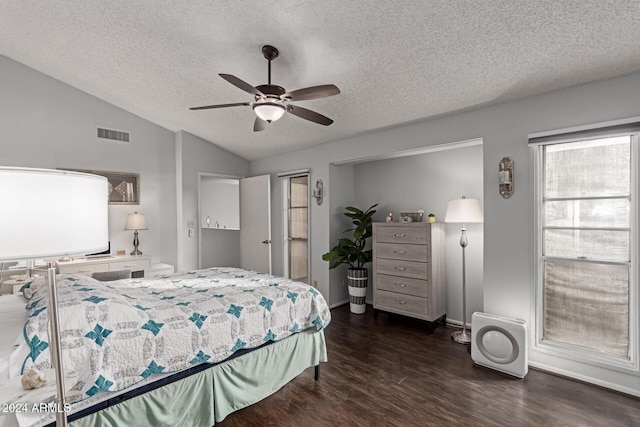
(115,334)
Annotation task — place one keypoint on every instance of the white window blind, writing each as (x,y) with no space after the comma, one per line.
(586,231)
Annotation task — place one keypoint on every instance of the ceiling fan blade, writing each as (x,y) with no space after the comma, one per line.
(241,84)
(207,107)
(309,115)
(259,125)
(313,92)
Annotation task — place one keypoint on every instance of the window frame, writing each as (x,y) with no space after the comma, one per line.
(286,188)
(568,351)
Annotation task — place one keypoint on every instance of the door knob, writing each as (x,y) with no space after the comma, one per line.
(266,242)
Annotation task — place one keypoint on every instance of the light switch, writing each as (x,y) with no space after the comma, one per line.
(191,224)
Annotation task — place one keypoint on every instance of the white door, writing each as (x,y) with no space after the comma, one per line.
(255,223)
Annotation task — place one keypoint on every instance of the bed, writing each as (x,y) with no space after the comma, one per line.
(186,349)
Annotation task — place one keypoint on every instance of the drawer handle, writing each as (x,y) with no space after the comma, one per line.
(399,235)
(399,301)
(129,266)
(400,285)
(400,268)
(399,252)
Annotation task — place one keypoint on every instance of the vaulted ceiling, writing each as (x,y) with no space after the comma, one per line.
(395,62)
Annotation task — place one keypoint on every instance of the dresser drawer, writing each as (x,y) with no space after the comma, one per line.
(413,235)
(401,251)
(402,304)
(85,269)
(396,267)
(130,264)
(402,285)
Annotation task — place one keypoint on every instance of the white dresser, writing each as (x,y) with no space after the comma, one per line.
(87,266)
(409,270)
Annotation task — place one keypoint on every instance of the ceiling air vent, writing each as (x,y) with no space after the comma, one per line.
(113,135)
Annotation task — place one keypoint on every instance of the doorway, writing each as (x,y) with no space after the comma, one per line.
(234,226)
(296,227)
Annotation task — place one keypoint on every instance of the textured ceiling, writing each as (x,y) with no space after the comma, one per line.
(394,61)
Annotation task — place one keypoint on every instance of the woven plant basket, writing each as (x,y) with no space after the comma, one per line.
(357,280)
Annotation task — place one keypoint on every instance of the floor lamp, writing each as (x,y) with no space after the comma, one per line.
(52,213)
(463,211)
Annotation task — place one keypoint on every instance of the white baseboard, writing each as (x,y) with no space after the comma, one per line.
(584,378)
(339,303)
(457,324)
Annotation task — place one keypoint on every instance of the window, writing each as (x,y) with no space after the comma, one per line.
(296,227)
(586,287)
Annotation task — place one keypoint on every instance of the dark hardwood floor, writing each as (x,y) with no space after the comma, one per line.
(389,372)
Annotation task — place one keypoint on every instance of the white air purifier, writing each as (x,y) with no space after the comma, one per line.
(500,343)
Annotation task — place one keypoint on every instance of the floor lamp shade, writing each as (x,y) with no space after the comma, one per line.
(464,211)
(51,213)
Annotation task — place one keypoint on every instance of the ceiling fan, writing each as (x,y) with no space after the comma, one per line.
(272,101)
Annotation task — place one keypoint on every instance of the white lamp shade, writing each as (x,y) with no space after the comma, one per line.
(269,111)
(51,213)
(464,211)
(135,221)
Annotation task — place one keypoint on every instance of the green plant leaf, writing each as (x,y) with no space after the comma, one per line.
(352,251)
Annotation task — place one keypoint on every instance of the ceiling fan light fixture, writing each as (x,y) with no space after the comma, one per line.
(269,111)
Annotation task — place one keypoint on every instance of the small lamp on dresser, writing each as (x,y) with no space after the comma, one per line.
(135,221)
(463,211)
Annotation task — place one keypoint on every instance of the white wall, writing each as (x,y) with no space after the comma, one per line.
(195,155)
(48,124)
(508,227)
(220,202)
(427,181)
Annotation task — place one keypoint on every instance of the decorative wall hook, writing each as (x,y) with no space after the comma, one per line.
(505,177)
(318,192)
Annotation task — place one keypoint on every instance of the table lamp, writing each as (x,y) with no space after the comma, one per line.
(52,213)
(135,221)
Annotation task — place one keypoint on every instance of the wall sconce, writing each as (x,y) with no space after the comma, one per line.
(505,177)
(318,193)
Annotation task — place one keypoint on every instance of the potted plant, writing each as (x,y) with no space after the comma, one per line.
(351,251)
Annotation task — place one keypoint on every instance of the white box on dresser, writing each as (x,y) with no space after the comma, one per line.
(409,270)
(138,264)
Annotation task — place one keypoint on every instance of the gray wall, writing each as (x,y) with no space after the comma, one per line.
(195,155)
(427,182)
(509,261)
(220,248)
(48,124)
(343,195)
